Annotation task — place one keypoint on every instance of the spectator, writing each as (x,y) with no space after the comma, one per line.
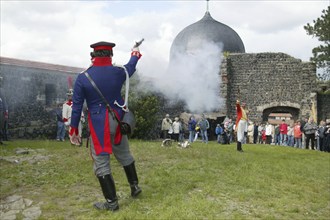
(198,130)
(290,136)
(176,129)
(283,133)
(191,128)
(182,130)
(230,130)
(263,136)
(326,145)
(250,131)
(204,126)
(321,136)
(166,126)
(310,129)
(60,134)
(260,129)
(297,135)
(255,133)
(277,135)
(219,132)
(268,133)
(302,124)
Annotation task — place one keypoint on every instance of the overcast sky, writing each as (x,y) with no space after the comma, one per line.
(60,32)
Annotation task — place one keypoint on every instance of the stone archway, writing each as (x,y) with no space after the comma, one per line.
(281,109)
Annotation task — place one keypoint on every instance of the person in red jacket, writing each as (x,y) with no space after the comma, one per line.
(283,133)
(241,124)
(297,135)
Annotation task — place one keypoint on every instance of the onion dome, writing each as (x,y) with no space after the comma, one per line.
(210,30)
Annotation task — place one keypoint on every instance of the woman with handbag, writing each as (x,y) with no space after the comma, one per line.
(100,85)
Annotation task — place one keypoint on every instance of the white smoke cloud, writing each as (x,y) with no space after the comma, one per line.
(192,77)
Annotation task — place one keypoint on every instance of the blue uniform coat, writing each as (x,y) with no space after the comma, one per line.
(109,79)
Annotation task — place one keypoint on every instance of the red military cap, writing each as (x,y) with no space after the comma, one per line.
(102,45)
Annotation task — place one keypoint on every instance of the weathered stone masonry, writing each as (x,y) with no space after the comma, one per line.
(32,90)
(269,82)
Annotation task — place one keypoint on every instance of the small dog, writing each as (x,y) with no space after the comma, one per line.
(167,143)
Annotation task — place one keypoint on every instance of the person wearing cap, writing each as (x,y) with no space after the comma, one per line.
(241,124)
(105,135)
(166,126)
(67,112)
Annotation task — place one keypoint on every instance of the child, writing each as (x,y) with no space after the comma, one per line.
(197,129)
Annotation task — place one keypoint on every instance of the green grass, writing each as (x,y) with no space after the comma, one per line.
(202,182)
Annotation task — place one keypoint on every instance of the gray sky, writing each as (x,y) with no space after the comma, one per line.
(60,32)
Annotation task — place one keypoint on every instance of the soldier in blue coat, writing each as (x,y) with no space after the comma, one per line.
(105,134)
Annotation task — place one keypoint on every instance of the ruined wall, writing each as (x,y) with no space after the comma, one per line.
(323,101)
(32,94)
(270,81)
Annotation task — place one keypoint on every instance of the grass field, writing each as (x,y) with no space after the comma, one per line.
(201,182)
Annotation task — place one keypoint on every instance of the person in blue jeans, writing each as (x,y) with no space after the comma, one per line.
(204,126)
(219,132)
(60,124)
(191,127)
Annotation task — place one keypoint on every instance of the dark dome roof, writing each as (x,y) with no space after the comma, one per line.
(210,30)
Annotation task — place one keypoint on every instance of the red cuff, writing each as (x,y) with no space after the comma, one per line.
(73,131)
(136,53)
(65,119)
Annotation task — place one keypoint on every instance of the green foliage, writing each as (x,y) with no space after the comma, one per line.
(145,109)
(205,181)
(321,54)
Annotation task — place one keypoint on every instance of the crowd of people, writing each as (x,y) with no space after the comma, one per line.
(303,134)
(195,130)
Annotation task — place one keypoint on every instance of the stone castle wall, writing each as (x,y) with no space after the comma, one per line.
(269,82)
(32,95)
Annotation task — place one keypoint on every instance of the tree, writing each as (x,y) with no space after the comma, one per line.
(145,107)
(321,54)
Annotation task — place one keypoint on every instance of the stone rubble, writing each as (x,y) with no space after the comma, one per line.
(23,154)
(16,206)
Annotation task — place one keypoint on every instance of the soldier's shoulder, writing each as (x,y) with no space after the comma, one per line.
(119,67)
(85,70)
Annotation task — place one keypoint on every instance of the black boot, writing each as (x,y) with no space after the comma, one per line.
(132,179)
(109,192)
(239,146)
